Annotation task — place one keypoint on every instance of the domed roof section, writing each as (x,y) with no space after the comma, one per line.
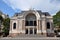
(46,14)
(39,11)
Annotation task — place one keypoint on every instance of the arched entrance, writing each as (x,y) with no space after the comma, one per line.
(30,24)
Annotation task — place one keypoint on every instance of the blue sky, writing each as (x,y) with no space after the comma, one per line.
(12,6)
(6,9)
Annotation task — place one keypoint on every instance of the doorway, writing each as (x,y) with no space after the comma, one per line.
(26,31)
(35,31)
(31,31)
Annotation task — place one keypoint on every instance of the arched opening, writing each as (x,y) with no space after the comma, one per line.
(26,31)
(30,20)
(48,25)
(14,26)
(31,30)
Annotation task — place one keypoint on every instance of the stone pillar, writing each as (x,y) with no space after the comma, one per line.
(50,25)
(10,25)
(23,26)
(17,27)
(44,32)
(51,29)
(33,31)
(10,32)
(28,31)
(38,27)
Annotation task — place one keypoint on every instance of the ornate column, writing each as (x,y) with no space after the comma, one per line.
(23,26)
(38,27)
(18,26)
(11,25)
(28,31)
(44,27)
(33,31)
(51,29)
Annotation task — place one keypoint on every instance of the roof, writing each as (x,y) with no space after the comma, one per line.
(39,11)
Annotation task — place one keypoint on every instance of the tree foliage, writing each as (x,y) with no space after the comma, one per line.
(1,19)
(6,24)
(56,19)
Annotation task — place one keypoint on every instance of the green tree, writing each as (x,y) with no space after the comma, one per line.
(6,27)
(1,19)
(1,22)
(56,19)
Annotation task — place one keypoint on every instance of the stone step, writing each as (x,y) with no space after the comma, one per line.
(30,35)
(35,38)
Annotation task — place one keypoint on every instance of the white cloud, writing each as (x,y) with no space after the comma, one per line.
(44,5)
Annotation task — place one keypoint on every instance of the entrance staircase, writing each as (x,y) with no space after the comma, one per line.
(31,35)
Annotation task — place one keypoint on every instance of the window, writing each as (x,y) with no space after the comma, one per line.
(14,26)
(30,23)
(30,20)
(35,23)
(48,25)
(26,23)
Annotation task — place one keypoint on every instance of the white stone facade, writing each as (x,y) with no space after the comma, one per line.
(32,22)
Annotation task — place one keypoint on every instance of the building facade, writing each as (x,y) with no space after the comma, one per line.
(31,22)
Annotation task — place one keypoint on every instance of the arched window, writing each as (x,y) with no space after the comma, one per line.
(30,20)
(48,25)
(14,26)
